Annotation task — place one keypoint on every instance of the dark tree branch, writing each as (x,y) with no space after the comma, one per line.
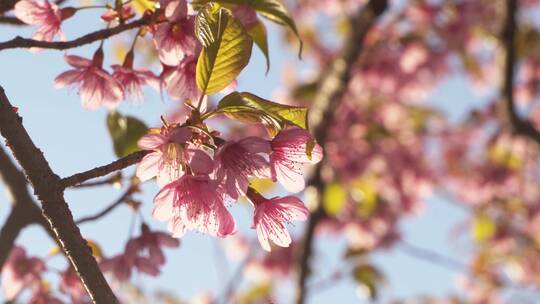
(47,187)
(24,211)
(11,20)
(119,164)
(328,98)
(122,199)
(507,105)
(19,42)
(7,5)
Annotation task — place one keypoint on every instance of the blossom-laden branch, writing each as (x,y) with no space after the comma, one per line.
(119,164)
(326,101)
(20,42)
(47,187)
(507,105)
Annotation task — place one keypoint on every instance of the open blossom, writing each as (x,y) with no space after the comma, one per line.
(271,215)
(171,154)
(176,39)
(240,160)
(20,272)
(180,81)
(290,151)
(95,85)
(194,203)
(46,16)
(132,80)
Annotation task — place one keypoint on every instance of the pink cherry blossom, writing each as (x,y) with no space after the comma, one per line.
(123,264)
(46,16)
(176,39)
(239,160)
(132,80)
(20,272)
(126,13)
(70,284)
(171,154)
(95,85)
(289,154)
(194,203)
(153,241)
(180,80)
(42,295)
(271,215)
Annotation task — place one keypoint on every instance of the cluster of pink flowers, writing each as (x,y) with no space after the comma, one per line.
(143,253)
(197,182)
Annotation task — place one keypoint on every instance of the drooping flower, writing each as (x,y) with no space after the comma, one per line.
(123,264)
(20,272)
(194,203)
(95,85)
(171,154)
(132,80)
(291,150)
(126,13)
(46,16)
(240,160)
(271,215)
(176,39)
(153,241)
(180,81)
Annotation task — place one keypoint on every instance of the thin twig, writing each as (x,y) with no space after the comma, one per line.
(122,199)
(116,178)
(20,42)
(116,165)
(326,101)
(11,20)
(47,188)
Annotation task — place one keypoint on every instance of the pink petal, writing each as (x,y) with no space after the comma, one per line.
(291,179)
(151,141)
(200,162)
(163,204)
(149,166)
(67,78)
(78,62)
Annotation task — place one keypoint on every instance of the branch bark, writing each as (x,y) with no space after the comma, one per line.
(327,99)
(122,199)
(20,42)
(48,189)
(11,20)
(24,210)
(507,106)
(116,165)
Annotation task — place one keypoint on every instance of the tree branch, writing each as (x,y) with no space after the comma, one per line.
(24,211)
(19,42)
(328,98)
(11,20)
(122,199)
(116,165)
(507,105)
(48,189)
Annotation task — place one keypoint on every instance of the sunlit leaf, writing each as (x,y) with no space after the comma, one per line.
(261,184)
(141,6)
(256,294)
(226,48)
(125,131)
(258,33)
(250,108)
(273,10)
(364,192)
(483,228)
(334,198)
(96,249)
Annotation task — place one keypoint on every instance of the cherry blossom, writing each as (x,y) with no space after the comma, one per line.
(95,85)
(46,16)
(20,271)
(132,80)
(291,149)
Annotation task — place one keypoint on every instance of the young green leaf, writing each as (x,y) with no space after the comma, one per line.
(258,33)
(273,10)
(334,198)
(250,108)
(226,48)
(125,131)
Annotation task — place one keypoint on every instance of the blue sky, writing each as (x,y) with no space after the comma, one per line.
(74,140)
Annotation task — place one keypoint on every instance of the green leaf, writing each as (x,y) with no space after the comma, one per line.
(483,228)
(368,277)
(125,131)
(334,198)
(258,33)
(226,48)
(272,10)
(250,108)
